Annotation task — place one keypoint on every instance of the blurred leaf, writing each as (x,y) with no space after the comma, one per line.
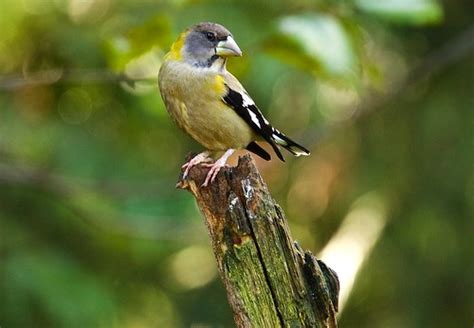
(417,12)
(315,42)
(138,40)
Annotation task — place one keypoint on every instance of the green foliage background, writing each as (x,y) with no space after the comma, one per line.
(92,231)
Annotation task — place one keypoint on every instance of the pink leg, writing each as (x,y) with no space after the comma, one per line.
(200,158)
(216,167)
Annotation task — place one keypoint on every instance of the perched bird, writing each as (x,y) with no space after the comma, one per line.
(210,104)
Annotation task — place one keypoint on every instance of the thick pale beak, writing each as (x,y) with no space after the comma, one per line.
(228,48)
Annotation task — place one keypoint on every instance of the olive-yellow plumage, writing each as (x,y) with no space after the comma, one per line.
(209,103)
(201,113)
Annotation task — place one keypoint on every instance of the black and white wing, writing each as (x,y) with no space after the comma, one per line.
(245,107)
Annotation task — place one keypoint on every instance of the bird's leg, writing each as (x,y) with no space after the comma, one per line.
(200,158)
(215,167)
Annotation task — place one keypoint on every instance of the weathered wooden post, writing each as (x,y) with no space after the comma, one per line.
(270,280)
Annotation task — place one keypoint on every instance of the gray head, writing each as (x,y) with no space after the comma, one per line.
(207,42)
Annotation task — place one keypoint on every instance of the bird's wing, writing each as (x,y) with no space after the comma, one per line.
(238,99)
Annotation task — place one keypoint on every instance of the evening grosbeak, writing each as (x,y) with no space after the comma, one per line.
(210,104)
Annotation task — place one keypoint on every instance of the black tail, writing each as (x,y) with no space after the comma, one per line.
(256,149)
(282,140)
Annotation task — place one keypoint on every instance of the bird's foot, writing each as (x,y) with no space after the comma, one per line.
(216,167)
(200,158)
(211,175)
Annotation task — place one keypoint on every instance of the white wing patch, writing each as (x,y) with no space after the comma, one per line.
(277,139)
(254,118)
(246,103)
(246,100)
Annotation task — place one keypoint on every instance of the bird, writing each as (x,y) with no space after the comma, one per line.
(210,104)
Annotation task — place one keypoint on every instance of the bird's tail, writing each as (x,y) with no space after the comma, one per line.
(288,144)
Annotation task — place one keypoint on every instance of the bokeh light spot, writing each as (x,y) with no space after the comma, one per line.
(193,267)
(75,106)
(87,10)
(353,243)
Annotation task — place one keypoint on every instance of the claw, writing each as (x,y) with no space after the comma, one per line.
(200,158)
(216,167)
(212,174)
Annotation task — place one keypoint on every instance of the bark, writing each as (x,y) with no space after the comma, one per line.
(270,281)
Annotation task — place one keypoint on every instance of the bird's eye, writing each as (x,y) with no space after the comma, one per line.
(211,36)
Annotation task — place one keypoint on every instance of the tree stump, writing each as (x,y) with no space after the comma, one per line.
(270,281)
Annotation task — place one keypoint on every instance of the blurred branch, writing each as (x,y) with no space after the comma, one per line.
(23,175)
(57,75)
(165,229)
(452,51)
(270,281)
(54,182)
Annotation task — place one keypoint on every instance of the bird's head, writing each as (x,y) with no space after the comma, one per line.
(204,43)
